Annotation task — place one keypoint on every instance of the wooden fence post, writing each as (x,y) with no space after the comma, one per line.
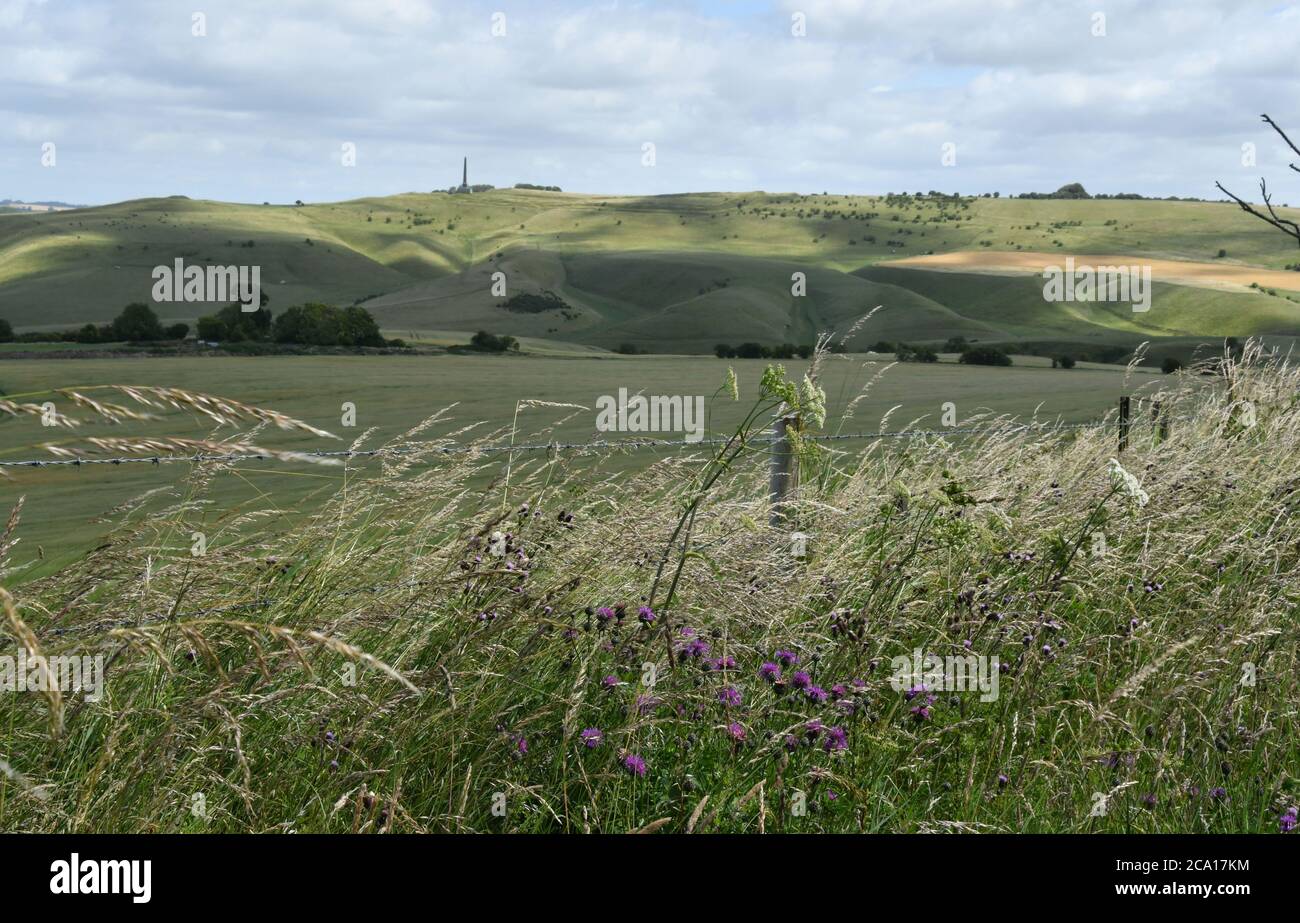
(783,474)
(1123,422)
(1160,421)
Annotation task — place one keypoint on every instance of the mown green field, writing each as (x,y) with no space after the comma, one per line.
(667,273)
(392,394)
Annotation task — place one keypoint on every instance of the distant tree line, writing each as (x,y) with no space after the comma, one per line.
(310,324)
(759,351)
(136,324)
(538,188)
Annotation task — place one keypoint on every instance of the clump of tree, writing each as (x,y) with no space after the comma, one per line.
(759,351)
(6,331)
(538,188)
(1062,362)
(985,355)
(232,324)
(491,343)
(316,324)
(905,352)
(1068,191)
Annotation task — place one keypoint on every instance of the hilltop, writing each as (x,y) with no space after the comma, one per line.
(667,273)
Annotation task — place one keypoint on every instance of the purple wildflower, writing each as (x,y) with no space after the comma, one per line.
(815,694)
(836,739)
(634,764)
(787,658)
(730,696)
(770,672)
(736,731)
(591,738)
(1288,821)
(801,680)
(645,614)
(609,682)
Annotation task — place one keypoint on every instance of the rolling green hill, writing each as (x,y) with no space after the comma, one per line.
(668,273)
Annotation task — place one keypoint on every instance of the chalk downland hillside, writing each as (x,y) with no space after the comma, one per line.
(665,273)
(1143,625)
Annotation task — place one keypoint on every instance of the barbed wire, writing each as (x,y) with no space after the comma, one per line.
(539,446)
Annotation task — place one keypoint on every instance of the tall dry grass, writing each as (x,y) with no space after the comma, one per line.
(378,668)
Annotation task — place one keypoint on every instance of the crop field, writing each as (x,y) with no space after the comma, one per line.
(65,506)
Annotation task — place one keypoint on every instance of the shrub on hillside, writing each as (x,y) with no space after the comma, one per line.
(491,343)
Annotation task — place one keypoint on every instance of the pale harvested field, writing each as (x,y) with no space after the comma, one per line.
(1221,275)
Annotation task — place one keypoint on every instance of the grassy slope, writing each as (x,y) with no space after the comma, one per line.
(633,266)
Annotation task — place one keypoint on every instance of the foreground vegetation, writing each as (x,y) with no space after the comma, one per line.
(553,650)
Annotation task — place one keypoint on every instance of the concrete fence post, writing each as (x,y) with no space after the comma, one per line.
(783,475)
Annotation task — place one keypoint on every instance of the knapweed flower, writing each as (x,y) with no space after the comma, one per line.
(1002,780)
(836,739)
(1289,820)
(1219,793)
(839,691)
(521,746)
(604,615)
(801,680)
(815,694)
(645,614)
(696,648)
(591,738)
(920,713)
(736,731)
(787,658)
(609,683)
(910,694)
(634,764)
(792,743)
(721,664)
(813,729)
(730,696)
(770,672)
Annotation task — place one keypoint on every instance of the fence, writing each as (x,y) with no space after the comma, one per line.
(783,476)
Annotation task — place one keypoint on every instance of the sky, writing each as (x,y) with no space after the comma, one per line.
(326,100)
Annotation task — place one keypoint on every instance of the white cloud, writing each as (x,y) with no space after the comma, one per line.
(259,106)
